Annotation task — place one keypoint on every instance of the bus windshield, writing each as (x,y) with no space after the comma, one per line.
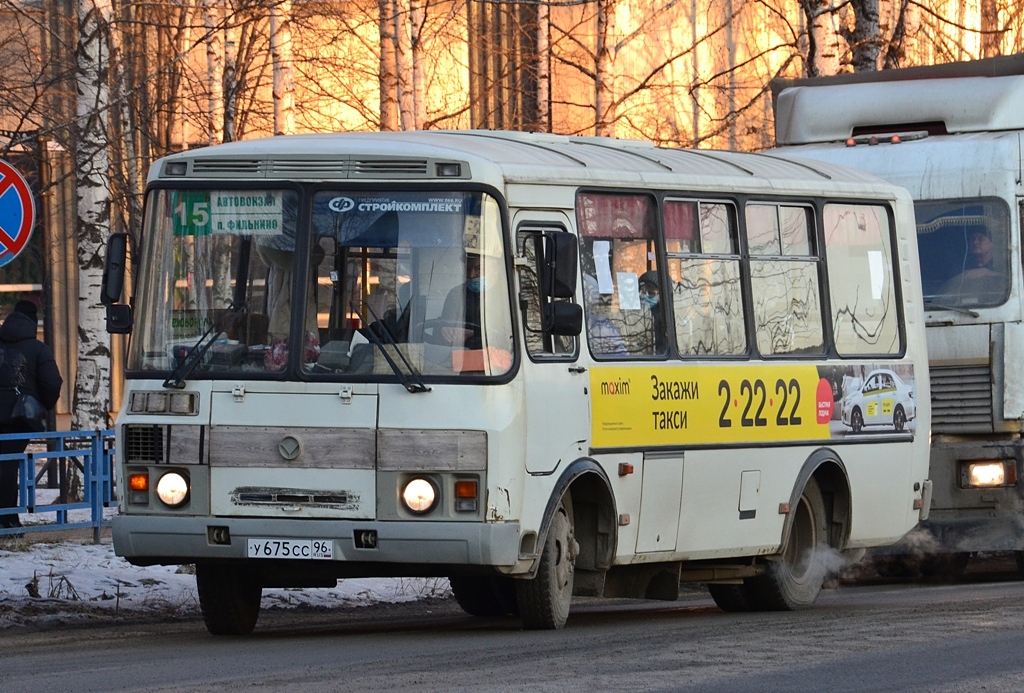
(399,284)
(964,246)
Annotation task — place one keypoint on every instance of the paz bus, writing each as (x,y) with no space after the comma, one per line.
(539,366)
(951,135)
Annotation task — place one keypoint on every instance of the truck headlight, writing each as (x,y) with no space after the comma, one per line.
(173,489)
(988,473)
(419,495)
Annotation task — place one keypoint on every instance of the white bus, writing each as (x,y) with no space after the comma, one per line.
(950,134)
(540,366)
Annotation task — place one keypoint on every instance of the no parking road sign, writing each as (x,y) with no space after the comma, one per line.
(17,213)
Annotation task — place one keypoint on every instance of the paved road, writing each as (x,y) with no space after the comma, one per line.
(881,637)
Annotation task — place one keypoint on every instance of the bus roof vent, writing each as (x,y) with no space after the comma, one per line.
(203,166)
(310,168)
(392,168)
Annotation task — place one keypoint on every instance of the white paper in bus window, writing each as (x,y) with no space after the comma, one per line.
(629,290)
(877,273)
(602,262)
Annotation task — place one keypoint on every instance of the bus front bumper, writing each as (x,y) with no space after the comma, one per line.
(169,540)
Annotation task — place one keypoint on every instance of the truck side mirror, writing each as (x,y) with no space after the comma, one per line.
(119,316)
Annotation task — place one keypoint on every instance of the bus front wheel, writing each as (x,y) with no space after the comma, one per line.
(544,601)
(794,580)
(229,599)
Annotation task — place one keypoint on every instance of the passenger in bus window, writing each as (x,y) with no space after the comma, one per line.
(461,311)
(978,278)
(650,297)
(605,338)
(279,255)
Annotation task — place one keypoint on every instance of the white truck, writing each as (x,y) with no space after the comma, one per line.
(952,135)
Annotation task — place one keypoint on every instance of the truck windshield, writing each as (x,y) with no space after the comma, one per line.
(399,285)
(964,246)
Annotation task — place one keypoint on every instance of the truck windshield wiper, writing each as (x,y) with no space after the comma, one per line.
(194,355)
(412,381)
(928,305)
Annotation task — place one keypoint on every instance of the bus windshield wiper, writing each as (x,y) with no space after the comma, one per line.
(928,305)
(194,355)
(412,381)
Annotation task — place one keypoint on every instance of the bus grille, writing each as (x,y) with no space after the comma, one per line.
(144,443)
(961,399)
(226,167)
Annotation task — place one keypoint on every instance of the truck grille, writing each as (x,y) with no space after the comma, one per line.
(961,399)
(144,443)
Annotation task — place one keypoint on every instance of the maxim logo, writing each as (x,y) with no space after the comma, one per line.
(615,387)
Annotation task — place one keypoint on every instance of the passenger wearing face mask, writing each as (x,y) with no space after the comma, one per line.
(462,307)
(650,297)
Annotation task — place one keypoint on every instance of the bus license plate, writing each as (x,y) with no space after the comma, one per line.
(309,549)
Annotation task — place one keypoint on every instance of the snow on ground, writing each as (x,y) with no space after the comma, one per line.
(76,579)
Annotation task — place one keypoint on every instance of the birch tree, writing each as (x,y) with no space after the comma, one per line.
(92,383)
(281,56)
(822,38)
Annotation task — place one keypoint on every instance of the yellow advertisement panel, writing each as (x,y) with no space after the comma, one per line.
(679,405)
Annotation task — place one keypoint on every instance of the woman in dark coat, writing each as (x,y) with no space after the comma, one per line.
(42,380)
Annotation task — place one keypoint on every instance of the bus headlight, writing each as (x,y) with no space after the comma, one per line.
(419,495)
(988,473)
(172,489)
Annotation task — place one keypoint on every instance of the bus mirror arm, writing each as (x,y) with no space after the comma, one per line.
(119,315)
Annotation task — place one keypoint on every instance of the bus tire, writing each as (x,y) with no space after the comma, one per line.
(857,421)
(544,601)
(794,580)
(229,599)
(899,419)
(733,598)
(485,596)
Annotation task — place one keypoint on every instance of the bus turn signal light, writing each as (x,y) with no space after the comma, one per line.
(466,495)
(138,488)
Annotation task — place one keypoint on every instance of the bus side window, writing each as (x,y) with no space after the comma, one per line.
(538,343)
(625,313)
(704,270)
(784,280)
(862,287)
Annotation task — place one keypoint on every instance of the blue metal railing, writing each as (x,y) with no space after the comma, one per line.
(89,452)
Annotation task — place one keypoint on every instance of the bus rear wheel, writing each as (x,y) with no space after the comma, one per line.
(794,580)
(544,601)
(486,596)
(229,598)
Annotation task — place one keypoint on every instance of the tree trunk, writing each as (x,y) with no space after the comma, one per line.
(91,408)
(419,61)
(389,119)
(822,38)
(230,88)
(281,56)
(403,64)
(991,34)
(212,21)
(604,70)
(544,67)
(866,37)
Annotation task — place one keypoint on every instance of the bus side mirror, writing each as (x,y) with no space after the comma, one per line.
(561,254)
(564,319)
(119,316)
